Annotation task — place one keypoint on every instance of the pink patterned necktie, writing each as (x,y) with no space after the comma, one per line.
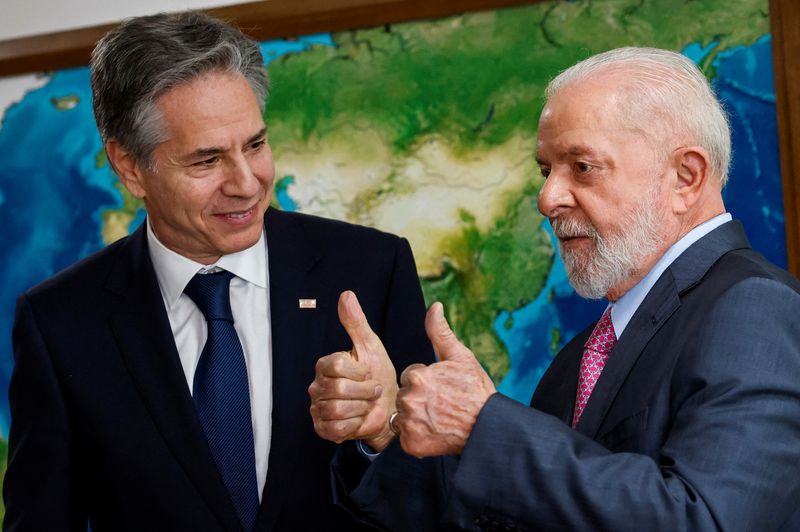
(595,354)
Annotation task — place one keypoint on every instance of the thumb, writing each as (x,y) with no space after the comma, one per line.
(444,340)
(365,341)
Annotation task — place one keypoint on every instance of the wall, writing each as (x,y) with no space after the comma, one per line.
(23,18)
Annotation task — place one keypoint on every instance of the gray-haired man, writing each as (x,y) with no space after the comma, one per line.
(160,384)
(678,410)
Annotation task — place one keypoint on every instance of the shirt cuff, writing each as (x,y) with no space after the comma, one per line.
(365,451)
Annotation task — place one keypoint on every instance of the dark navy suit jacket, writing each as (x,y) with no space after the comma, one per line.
(694,423)
(103,425)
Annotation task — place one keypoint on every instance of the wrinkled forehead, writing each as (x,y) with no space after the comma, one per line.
(591,103)
(595,114)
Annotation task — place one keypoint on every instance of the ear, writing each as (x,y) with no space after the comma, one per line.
(693,169)
(127,168)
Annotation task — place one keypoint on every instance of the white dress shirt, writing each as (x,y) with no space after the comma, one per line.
(624,308)
(249,294)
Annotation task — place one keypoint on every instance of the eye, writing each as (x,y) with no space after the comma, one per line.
(583,168)
(211,161)
(545,171)
(257,145)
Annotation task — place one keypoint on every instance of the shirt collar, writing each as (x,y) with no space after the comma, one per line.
(623,309)
(174,271)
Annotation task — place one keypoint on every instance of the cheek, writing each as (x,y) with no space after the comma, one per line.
(196,201)
(604,215)
(263,165)
(610,228)
(266,172)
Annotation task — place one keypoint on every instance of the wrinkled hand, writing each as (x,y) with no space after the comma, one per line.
(438,404)
(354,393)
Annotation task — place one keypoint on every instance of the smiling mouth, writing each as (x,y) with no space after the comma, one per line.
(238,215)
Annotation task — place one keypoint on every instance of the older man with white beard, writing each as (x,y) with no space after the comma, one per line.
(678,410)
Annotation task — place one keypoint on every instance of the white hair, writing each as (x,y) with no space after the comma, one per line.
(661,90)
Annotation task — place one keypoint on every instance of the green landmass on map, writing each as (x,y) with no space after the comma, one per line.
(65,103)
(465,89)
(427,129)
(555,340)
(475,284)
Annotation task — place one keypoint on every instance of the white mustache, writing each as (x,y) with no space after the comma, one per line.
(572,228)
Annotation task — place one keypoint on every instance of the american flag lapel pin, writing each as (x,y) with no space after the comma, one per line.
(307,303)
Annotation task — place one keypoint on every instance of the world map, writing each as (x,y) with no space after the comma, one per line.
(424,129)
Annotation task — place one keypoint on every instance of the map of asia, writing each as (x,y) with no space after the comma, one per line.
(424,129)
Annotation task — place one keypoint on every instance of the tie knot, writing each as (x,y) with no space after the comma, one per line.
(210,292)
(603,339)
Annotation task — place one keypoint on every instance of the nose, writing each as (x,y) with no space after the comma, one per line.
(555,196)
(241,179)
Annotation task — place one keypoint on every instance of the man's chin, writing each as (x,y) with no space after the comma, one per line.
(580,278)
(575,260)
(584,288)
(237,241)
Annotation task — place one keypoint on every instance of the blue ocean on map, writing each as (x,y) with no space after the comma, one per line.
(53,194)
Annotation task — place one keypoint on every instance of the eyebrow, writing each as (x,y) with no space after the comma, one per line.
(216,150)
(581,150)
(578,150)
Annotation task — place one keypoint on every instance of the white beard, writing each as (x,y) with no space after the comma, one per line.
(614,257)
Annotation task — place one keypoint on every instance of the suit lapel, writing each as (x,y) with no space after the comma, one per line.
(658,306)
(141,328)
(297,335)
(661,302)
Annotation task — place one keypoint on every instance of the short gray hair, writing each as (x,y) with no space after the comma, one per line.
(662,87)
(145,57)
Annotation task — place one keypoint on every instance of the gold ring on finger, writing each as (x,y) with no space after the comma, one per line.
(394,429)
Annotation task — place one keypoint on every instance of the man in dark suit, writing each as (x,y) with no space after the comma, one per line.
(160,384)
(678,410)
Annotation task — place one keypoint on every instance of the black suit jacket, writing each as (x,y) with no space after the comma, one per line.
(103,425)
(694,423)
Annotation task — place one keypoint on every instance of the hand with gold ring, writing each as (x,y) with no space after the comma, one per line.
(392,426)
(354,392)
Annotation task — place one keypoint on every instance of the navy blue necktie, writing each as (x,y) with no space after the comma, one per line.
(222,395)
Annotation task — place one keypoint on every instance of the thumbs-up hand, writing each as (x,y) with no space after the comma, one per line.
(354,393)
(438,404)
